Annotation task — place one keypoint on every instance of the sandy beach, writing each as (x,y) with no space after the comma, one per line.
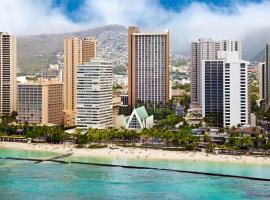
(137,153)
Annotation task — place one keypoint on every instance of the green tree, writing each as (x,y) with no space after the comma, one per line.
(167,136)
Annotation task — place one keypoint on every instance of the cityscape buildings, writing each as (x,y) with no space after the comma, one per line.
(262,80)
(8,66)
(40,102)
(76,52)
(219,81)
(94,94)
(225,90)
(72,58)
(148,67)
(206,49)
(130,113)
(267,75)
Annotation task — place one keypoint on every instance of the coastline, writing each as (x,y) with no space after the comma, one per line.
(137,153)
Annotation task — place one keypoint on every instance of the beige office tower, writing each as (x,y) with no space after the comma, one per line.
(206,49)
(148,67)
(88,49)
(72,58)
(40,102)
(8,68)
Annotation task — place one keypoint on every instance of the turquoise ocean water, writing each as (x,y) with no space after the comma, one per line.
(47,180)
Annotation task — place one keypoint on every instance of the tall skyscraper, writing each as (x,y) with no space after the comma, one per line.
(148,67)
(8,68)
(225,91)
(267,77)
(94,94)
(72,58)
(40,102)
(76,52)
(261,72)
(88,49)
(206,49)
(212,91)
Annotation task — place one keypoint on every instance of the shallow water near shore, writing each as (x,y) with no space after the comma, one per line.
(48,180)
(251,170)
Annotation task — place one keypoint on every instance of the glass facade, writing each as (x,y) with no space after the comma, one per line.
(214,92)
(134,123)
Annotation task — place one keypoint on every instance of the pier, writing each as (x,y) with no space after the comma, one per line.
(54,158)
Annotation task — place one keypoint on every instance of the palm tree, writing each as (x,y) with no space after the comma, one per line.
(133,135)
(206,138)
(245,142)
(144,135)
(167,135)
(184,136)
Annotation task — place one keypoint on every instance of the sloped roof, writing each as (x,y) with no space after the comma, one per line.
(141,111)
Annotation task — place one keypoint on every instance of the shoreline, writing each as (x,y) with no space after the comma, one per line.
(137,153)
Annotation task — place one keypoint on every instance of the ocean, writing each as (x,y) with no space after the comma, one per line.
(49,180)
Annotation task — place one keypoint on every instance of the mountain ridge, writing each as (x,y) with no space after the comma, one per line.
(36,52)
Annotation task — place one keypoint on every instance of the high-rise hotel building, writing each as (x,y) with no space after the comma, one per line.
(76,52)
(40,102)
(264,78)
(148,67)
(206,49)
(72,58)
(267,76)
(8,66)
(225,91)
(94,94)
(88,49)
(261,72)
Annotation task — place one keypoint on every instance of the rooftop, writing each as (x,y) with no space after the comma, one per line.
(141,111)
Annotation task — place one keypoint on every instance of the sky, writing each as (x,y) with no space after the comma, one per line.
(187,20)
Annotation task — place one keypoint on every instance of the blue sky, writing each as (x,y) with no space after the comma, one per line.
(172,4)
(70,7)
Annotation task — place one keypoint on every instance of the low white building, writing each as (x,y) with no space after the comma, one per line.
(138,120)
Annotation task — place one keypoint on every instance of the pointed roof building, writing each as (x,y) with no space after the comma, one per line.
(139,119)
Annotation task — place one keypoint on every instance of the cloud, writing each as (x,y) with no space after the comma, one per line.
(195,20)
(33,17)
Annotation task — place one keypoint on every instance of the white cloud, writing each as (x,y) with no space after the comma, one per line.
(190,23)
(33,17)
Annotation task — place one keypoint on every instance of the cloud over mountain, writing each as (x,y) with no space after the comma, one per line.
(188,23)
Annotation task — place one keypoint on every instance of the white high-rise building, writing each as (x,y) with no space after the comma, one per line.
(207,49)
(225,92)
(94,94)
